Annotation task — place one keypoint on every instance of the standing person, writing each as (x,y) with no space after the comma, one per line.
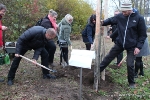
(64,38)
(113,36)
(2,28)
(131,37)
(88,33)
(34,38)
(50,22)
(145,51)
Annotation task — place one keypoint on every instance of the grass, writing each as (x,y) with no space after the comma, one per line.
(119,77)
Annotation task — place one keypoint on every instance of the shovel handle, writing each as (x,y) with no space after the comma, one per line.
(122,61)
(36,63)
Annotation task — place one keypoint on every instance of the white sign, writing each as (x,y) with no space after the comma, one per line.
(81,58)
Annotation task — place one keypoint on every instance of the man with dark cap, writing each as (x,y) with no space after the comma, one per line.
(131,37)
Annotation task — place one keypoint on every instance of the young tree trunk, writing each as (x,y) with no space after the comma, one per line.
(97,46)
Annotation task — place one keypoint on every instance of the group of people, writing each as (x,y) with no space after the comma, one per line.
(130,35)
(40,39)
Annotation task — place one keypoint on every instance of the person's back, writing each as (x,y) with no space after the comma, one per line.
(88,33)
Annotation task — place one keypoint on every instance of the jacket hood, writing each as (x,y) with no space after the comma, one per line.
(64,22)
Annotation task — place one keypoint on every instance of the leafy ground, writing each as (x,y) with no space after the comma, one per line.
(29,84)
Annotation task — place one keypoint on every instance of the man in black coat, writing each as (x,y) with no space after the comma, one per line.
(113,36)
(131,36)
(34,38)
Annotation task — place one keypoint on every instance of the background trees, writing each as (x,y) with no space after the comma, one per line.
(22,14)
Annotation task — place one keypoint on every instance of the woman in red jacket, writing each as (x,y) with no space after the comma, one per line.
(2,28)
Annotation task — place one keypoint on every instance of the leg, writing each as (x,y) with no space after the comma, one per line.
(137,65)
(65,55)
(51,48)
(130,67)
(44,62)
(119,57)
(88,46)
(61,55)
(141,67)
(110,56)
(14,66)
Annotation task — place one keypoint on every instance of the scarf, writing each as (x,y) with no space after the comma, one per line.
(53,22)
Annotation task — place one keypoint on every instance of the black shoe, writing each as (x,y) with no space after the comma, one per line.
(1,80)
(141,73)
(48,76)
(132,86)
(136,75)
(10,82)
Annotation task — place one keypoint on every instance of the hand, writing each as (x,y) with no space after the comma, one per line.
(108,37)
(17,55)
(71,47)
(34,61)
(92,46)
(4,28)
(136,51)
(102,22)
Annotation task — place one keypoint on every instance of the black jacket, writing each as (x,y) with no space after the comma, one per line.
(46,23)
(131,30)
(33,38)
(88,33)
(114,33)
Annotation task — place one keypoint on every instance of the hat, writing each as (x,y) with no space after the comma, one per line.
(126,6)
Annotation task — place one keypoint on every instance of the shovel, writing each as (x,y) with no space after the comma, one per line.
(37,64)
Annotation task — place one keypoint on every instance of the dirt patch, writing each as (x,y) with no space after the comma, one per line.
(29,84)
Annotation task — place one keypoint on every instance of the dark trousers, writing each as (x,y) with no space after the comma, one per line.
(88,46)
(16,61)
(64,54)
(119,57)
(51,48)
(130,61)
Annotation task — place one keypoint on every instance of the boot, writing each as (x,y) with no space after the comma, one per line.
(141,69)
(137,66)
(66,60)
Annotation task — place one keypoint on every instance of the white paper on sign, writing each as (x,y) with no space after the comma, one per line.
(81,58)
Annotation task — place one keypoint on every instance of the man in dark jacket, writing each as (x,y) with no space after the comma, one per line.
(131,37)
(34,38)
(113,36)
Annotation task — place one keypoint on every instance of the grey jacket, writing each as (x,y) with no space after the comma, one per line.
(145,51)
(64,31)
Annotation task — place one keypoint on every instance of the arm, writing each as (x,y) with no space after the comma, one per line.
(110,21)
(89,34)
(37,52)
(67,32)
(141,29)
